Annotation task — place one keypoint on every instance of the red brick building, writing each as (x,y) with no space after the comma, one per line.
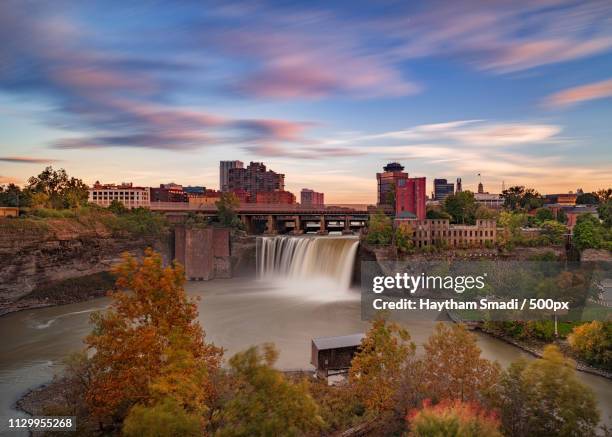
(410,198)
(278,197)
(388,182)
(310,197)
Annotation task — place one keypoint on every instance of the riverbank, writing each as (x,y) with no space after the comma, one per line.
(536,349)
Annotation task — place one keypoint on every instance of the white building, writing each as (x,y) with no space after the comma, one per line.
(126,193)
(494,201)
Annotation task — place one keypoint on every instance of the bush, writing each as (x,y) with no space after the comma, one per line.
(453,419)
(380,229)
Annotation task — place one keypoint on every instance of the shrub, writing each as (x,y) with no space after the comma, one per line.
(453,419)
(593,342)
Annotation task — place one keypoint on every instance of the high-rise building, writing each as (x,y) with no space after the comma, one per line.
(310,197)
(410,199)
(224,168)
(459,186)
(255,179)
(443,189)
(388,181)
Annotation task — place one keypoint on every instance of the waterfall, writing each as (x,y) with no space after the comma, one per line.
(306,258)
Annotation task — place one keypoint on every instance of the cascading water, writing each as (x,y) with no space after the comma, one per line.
(308,258)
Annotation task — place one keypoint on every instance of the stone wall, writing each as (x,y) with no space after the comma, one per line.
(205,252)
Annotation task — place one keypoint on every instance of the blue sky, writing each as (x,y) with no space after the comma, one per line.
(325,92)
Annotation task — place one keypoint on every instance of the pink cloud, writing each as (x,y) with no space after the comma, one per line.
(578,94)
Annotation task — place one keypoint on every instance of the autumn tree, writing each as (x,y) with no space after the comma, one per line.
(263,402)
(226,210)
(544,398)
(403,237)
(377,369)
(593,342)
(148,347)
(453,419)
(380,229)
(452,367)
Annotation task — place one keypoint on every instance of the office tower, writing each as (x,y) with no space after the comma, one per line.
(442,189)
(254,179)
(224,168)
(388,181)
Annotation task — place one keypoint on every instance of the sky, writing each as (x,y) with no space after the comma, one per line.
(326,92)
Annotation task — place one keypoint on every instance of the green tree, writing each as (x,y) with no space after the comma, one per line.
(166,418)
(519,197)
(587,199)
(453,419)
(117,207)
(544,398)
(437,214)
(484,213)
(593,342)
(512,222)
(604,195)
(544,214)
(588,233)
(264,402)
(605,213)
(553,231)
(12,195)
(53,188)
(226,210)
(453,368)
(462,207)
(561,216)
(377,369)
(380,229)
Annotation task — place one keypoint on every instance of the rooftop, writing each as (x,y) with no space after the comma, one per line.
(352,340)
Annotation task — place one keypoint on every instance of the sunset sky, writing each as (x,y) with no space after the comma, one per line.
(325,92)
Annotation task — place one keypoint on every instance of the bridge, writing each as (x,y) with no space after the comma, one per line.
(279,218)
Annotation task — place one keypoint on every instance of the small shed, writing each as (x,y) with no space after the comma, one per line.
(331,355)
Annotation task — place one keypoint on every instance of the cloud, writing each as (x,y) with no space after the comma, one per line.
(26,160)
(579,94)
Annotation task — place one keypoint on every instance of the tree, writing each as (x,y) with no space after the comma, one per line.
(587,199)
(166,418)
(12,195)
(149,345)
(519,197)
(544,398)
(264,402)
(593,342)
(453,368)
(484,213)
(561,216)
(604,195)
(226,210)
(52,188)
(380,229)
(117,207)
(587,233)
(461,207)
(377,369)
(453,419)
(544,214)
(437,214)
(553,231)
(512,222)
(403,237)
(605,213)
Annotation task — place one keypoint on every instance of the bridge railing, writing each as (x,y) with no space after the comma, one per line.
(261,208)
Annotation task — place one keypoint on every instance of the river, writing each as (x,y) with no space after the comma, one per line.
(235,313)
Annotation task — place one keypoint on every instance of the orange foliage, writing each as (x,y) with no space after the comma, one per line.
(138,342)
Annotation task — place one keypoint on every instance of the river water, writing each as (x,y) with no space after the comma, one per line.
(235,313)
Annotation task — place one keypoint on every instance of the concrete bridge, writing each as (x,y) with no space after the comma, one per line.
(275,218)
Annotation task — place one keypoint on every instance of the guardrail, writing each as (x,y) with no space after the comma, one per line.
(262,208)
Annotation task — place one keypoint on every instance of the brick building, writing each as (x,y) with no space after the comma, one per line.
(224,169)
(410,198)
(253,179)
(168,193)
(310,197)
(388,182)
(439,232)
(277,197)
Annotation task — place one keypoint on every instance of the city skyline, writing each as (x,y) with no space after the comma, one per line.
(519,92)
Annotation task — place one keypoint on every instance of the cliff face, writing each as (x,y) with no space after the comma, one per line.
(37,256)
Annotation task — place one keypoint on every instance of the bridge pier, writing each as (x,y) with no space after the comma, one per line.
(322,227)
(297,229)
(271,225)
(247,221)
